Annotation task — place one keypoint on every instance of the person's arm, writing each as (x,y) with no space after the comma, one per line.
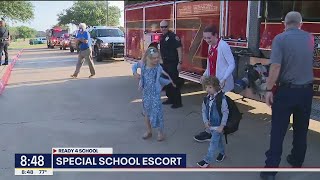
(274,71)
(227,54)
(179,50)
(85,38)
(161,60)
(9,38)
(276,60)
(205,118)
(206,72)
(166,74)
(224,112)
(135,67)
(178,46)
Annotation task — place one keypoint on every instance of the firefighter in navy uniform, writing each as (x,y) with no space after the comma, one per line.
(4,42)
(292,71)
(171,54)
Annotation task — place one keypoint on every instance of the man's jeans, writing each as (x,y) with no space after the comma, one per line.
(216,144)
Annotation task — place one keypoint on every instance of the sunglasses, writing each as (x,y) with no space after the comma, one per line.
(163,26)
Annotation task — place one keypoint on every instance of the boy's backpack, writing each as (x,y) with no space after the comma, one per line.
(234,114)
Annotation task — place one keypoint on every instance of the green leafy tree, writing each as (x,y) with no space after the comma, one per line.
(26,32)
(17,10)
(13,33)
(126,2)
(93,13)
(114,14)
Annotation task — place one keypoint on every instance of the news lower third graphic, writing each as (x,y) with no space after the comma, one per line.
(92,159)
(105,160)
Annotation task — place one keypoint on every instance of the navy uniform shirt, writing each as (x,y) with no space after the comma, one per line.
(4,33)
(169,43)
(293,50)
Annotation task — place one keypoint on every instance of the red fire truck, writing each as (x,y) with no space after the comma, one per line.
(248,26)
(53,36)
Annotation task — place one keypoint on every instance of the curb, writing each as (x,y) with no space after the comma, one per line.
(5,78)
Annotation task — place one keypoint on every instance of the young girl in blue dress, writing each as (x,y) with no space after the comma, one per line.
(151,83)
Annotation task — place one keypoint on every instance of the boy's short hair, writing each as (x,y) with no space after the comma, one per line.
(211,81)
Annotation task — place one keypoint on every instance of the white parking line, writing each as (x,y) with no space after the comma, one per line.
(40,61)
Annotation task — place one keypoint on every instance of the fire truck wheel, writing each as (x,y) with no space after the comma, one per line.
(71,49)
(60,47)
(64,48)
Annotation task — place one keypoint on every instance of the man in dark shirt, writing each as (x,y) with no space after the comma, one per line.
(292,71)
(171,54)
(4,42)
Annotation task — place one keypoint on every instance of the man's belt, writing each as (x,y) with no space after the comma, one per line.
(2,40)
(289,85)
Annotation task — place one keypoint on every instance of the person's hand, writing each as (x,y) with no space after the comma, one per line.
(207,124)
(179,67)
(269,98)
(220,129)
(222,84)
(137,76)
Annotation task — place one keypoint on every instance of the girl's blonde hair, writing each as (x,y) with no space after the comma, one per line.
(149,52)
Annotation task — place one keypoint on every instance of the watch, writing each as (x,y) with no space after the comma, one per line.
(268,90)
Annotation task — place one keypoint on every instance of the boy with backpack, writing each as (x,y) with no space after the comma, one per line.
(221,116)
(213,120)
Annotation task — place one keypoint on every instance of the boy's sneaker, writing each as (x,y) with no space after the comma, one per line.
(220,157)
(202,164)
(202,137)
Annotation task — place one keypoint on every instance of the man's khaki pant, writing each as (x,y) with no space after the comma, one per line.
(85,55)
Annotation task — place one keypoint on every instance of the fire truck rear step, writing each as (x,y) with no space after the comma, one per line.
(190,76)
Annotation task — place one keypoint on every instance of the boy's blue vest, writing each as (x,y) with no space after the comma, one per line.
(214,118)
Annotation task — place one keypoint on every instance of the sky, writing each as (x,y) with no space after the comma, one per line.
(45,14)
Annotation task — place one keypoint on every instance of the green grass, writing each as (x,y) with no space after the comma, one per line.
(21,44)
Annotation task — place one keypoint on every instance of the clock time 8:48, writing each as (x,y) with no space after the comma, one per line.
(34,161)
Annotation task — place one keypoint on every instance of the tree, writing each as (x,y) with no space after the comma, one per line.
(13,33)
(17,10)
(114,14)
(126,2)
(26,32)
(90,12)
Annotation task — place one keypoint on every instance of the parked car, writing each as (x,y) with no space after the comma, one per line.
(73,42)
(106,42)
(32,41)
(39,40)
